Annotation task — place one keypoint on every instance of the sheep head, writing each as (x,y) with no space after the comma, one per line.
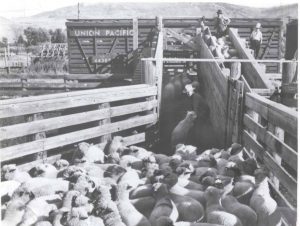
(8,171)
(61,163)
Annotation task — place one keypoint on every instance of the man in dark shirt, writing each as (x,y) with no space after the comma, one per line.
(198,104)
(221,23)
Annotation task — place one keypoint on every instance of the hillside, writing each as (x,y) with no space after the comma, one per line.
(57,18)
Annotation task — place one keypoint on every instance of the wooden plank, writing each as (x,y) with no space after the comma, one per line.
(251,71)
(263,92)
(22,129)
(129,140)
(13,152)
(256,147)
(284,177)
(276,194)
(84,55)
(6,103)
(280,199)
(277,114)
(274,143)
(267,47)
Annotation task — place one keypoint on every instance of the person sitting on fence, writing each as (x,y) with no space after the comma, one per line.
(221,24)
(256,39)
(204,29)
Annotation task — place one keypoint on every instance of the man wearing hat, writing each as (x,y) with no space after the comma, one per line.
(221,24)
(201,134)
(256,39)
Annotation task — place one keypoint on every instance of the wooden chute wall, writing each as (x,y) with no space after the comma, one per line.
(215,90)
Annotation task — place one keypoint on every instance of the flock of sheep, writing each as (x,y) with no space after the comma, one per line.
(116,185)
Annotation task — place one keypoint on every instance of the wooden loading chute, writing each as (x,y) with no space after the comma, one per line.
(238,113)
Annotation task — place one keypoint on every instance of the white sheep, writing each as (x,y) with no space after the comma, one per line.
(44,170)
(129,214)
(261,201)
(140,153)
(14,213)
(7,188)
(11,172)
(39,209)
(40,186)
(89,153)
(131,178)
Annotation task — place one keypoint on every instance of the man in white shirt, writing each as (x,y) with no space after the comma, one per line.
(256,39)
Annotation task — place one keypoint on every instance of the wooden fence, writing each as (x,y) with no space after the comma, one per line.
(87,115)
(265,123)
(30,85)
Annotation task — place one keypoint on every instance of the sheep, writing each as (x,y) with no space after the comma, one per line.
(261,201)
(39,209)
(144,204)
(114,172)
(131,178)
(40,186)
(84,185)
(215,213)
(114,148)
(14,213)
(83,202)
(69,171)
(187,152)
(68,198)
(61,164)
(78,217)
(88,153)
(164,206)
(129,214)
(7,188)
(43,223)
(11,172)
(247,216)
(139,152)
(141,191)
(243,191)
(128,160)
(105,208)
(44,170)
(60,216)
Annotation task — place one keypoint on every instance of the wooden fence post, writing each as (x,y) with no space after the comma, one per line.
(38,136)
(104,121)
(235,93)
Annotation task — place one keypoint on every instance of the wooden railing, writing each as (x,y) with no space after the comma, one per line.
(31,85)
(266,124)
(84,113)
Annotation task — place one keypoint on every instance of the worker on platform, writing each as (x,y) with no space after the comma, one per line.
(221,24)
(256,39)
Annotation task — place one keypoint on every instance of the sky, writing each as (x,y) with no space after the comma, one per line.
(23,8)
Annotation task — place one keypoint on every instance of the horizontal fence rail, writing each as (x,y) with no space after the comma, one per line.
(265,123)
(125,107)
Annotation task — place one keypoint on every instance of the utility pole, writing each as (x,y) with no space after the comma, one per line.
(78,11)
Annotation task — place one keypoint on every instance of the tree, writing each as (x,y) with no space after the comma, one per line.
(57,36)
(35,36)
(3,42)
(20,40)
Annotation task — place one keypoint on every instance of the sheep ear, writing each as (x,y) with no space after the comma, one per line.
(113,192)
(31,195)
